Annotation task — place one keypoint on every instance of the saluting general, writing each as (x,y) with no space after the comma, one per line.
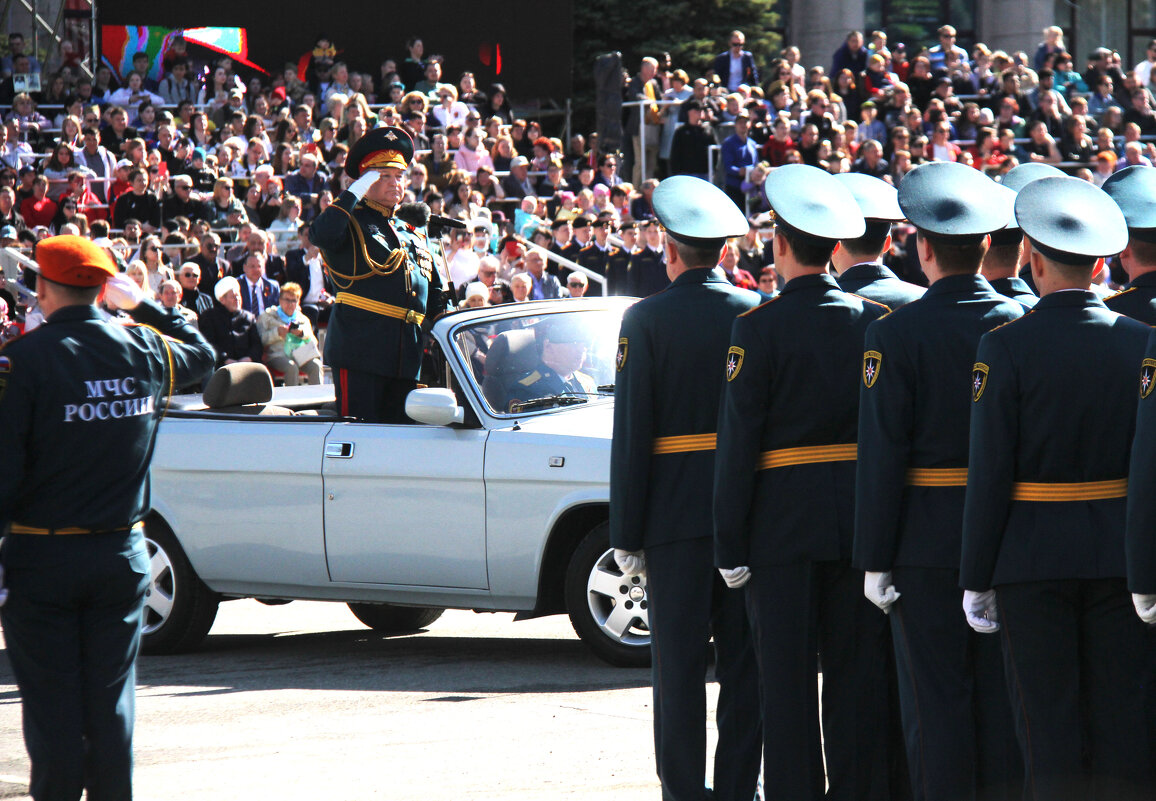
(1054,404)
(387,283)
(784,496)
(80,400)
(669,377)
(911,474)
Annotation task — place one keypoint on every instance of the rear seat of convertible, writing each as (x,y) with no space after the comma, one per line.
(242,388)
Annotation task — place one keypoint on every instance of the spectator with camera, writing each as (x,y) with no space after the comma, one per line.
(288,338)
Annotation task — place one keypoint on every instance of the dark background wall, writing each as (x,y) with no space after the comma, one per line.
(535,38)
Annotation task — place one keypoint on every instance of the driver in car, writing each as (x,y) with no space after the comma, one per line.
(563,353)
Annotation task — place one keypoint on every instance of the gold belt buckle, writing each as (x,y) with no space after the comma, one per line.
(410,316)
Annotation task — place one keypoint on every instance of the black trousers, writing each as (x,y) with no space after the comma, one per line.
(372,398)
(72,625)
(800,611)
(688,604)
(1075,656)
(957,719)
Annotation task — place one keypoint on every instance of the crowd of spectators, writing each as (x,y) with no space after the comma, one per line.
(204,175)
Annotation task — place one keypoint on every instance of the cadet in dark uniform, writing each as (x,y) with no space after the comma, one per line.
(784,496)
(604,258)
(563,352)
(669,379)
(1134,190)
(387,283)
(858,263)
(912,470)
(1008,254)
(1043,527)
(647,272)
(80,399)
(1016,179)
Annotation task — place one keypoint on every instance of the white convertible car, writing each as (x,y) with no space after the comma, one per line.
(495,500)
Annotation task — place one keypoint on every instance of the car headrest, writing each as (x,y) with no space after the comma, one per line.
(512,353)
(239,384)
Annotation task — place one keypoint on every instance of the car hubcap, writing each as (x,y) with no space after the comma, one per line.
(161,590)
(618,603)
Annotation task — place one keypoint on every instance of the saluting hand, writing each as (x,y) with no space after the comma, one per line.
(121,292)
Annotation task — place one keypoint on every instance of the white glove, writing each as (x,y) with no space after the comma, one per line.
(735,577)
(631,563)
(879,590)
(980,610)
(1145,604)
(3,591)
(121,292)
(362,184)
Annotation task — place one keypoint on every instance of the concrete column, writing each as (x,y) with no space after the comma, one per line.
(1014,24)
(818,27)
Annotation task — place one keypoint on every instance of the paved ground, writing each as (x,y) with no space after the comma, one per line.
(303,702)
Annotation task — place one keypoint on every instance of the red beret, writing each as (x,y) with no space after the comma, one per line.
(73,261)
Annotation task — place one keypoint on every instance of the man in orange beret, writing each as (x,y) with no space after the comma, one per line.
(80,399)
(387,284)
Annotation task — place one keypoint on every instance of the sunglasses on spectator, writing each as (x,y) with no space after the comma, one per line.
(574,283)
(188,274)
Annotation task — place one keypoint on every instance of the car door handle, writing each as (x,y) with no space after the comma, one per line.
(339,450)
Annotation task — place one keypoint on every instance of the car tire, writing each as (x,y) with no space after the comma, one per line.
(391,619)
(179,608)
(607,610)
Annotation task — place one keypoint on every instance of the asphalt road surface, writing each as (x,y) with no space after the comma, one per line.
(303,702)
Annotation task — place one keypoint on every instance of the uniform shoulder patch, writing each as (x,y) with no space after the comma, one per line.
(620,356)
(5,364)
(1147,377)
(872,361)
(978,380)
(530,379)
(734,362)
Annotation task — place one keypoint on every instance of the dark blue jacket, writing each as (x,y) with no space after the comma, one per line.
(1137,300)
(80,400)
(721,66)
(647,273)
(1017,289)
(875,282)
(793,382)
(671,353)
(1055,404)
(914,409)
(1140,537)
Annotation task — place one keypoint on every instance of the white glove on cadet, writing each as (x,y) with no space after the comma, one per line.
(121,292)
(735,577)
(980,610)
(879,590)
(1145,604)
(631,563)
(3,591)
(362,184)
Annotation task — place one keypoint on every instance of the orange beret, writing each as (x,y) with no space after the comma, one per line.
(73,261)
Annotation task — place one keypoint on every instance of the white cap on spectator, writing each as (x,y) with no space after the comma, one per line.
(224,285)
(480,224)
(520,161)
(477,288)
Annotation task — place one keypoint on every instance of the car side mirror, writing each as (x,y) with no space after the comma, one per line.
(434,407)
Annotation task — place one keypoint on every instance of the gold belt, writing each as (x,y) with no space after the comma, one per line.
(937,477)
(19,528)
(685,444)
(377,307)
(813,454)
(1079,491)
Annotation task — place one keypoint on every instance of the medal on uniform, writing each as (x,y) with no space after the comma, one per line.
(734,362)
(620,356)
(1147,377)
(978,380)
(872,361)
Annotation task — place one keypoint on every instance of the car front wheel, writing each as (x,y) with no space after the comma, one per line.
(179,608)
(607,609)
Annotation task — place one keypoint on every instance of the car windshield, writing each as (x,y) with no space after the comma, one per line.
(543,361)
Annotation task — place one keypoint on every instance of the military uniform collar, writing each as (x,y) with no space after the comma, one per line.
(1070,298)
(811,281)
(381,209)
(869,270)
(70,314)
(1145,280)
(699,275)
(968,282)
(1013,283)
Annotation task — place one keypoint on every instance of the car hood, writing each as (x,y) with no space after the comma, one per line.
(595,421)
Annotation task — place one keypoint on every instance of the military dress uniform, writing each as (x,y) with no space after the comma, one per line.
(646,273)
(911,475)
(1017,289)
(662,463)
(80,400)
(1051,430)
(388,288)
(874,281)
(784,494)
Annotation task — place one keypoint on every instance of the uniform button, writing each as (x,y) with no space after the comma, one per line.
(413,294)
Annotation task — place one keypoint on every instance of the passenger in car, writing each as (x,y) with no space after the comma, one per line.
(563,352)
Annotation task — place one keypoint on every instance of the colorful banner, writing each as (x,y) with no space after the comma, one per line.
(119,43)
